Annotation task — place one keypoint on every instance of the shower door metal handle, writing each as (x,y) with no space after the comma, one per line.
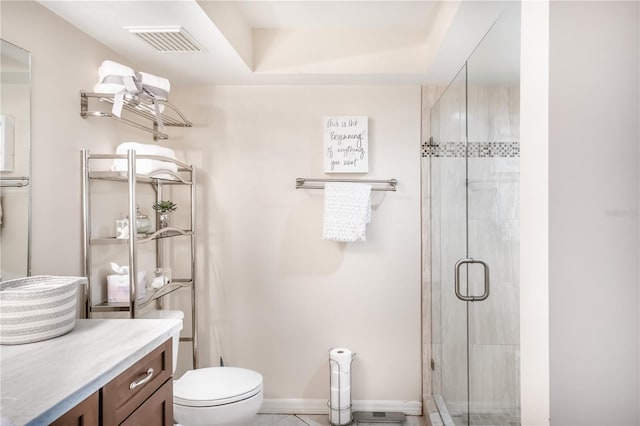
(484,295)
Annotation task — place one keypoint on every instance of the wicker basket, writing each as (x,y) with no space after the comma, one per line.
(37,308)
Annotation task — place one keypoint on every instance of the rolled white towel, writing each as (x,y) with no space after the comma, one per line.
(146,149)
(154,81)
(156,88)
(108,68)
(146,166)
(109,88)
(116,79)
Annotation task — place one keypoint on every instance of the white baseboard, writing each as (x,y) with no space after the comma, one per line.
(319,406)
(294,406)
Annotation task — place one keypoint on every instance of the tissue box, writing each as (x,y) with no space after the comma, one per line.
(118,287)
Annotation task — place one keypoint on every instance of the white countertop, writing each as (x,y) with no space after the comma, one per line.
(41,381)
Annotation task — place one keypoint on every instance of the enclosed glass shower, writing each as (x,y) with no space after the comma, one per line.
(473,226)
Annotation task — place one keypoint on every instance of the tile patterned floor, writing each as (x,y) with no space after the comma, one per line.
(320,420)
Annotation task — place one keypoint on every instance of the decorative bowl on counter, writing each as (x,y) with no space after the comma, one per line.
(37,308)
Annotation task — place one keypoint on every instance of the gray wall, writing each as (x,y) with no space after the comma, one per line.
(594,217)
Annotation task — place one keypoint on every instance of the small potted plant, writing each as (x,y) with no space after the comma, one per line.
(163,208)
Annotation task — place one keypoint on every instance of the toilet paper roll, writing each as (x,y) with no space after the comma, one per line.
(340,417)
(340,386)
(340,380)
(341,399)
(341,356)
(338,374)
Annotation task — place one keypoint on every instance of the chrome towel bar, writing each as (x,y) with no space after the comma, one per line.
(302,183)
(17,182)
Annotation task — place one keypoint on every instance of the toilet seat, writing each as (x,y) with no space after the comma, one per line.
(213,386)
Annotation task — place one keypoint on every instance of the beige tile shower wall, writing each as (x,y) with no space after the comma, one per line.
(493,112)
(274,296)
(64,61)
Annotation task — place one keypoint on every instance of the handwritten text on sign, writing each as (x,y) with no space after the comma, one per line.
(346,144)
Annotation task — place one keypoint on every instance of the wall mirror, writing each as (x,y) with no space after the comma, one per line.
(15,161)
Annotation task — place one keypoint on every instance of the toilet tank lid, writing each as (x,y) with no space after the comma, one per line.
(162,314)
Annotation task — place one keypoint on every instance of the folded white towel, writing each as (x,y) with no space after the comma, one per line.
(154,81)
(115,78)
(347,211)
(115,74)
(154,88)
(146,166)
(109,88)
(108,68)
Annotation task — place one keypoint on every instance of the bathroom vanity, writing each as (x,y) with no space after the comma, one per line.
(89,373)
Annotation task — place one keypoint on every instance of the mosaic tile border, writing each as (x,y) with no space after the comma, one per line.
(474,149)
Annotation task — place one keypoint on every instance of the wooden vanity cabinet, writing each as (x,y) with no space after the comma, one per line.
(157,410)
(84,414)
(140,396)
(143,394)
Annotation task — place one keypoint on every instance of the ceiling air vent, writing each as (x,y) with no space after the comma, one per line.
(167,39)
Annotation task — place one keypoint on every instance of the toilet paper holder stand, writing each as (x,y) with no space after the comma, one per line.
(330,405)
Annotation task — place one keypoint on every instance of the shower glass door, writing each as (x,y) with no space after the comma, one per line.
(493,235)
(474,191)
(447,152)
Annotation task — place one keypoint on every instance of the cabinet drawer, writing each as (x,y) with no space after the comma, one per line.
(156,411)
(124,394)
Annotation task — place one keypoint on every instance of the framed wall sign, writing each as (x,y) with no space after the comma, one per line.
(346,144)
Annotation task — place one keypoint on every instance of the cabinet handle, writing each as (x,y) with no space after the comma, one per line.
(148,377)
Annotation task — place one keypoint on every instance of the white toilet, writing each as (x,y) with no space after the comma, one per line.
(212,396)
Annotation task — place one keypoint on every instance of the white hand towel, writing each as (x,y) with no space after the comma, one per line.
(347,211)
